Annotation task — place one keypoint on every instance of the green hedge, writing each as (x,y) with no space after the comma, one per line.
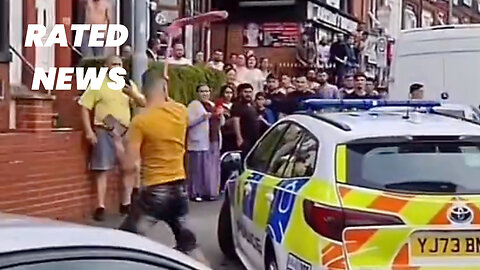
(183,79)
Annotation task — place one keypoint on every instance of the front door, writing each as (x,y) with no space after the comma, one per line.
(265,167)
(252,207)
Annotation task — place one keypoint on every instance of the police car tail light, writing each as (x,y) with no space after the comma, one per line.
(330,221)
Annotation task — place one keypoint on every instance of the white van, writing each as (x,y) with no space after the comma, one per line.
(443,58)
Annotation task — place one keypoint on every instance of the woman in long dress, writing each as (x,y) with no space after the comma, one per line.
(204,138)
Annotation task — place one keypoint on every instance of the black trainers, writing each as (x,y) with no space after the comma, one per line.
(99,214)
(124,209)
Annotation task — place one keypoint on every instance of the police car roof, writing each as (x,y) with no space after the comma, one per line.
(346,126)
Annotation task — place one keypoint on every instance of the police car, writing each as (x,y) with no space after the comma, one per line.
(342,187)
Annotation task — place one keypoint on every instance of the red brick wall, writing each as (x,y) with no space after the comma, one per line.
(360,9)
(66,105)
(46,175)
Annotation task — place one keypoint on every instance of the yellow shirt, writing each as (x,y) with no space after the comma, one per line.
(106,101)
(161,133)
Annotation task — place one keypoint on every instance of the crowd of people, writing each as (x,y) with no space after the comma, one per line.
(177,148)
(252,99)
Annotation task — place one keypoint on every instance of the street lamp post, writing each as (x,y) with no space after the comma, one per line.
(140,60)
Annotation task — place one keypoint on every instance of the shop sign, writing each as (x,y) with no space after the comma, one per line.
(382,44)
(271,35)
(165,17)
(320,13)
(334,3)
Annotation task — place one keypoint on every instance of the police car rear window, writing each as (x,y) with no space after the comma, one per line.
(417,167)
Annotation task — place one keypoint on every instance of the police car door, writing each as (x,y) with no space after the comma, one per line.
(252,204)
(287,197)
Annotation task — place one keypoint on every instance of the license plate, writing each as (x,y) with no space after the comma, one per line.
(445,244)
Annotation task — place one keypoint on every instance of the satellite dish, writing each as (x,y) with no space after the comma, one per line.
(444,96)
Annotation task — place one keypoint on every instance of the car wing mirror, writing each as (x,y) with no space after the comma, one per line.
(231,164)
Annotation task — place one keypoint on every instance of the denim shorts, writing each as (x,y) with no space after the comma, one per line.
(103,156)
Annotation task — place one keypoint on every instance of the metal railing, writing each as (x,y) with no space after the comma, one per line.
(75,50)
(24,60)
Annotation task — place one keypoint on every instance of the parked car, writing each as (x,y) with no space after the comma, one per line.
(39,244)
(356,189)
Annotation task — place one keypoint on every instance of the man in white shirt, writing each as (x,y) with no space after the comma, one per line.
(179,56)
(217,60)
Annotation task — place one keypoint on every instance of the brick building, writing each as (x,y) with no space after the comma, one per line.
(43,156)
(279,25)
(424,13)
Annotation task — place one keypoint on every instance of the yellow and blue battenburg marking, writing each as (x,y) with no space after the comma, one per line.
(282,207)
(249,201)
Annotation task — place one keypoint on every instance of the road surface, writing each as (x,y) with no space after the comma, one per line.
(203,220)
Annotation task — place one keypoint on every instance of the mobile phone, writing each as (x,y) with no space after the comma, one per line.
(127,81)
(114,126)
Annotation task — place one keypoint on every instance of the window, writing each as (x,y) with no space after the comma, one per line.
(410,18)
(467,3)
(455,20)
(442,166)
(302,163)
(427,18)
(258,160)
(284,151)
(91,264)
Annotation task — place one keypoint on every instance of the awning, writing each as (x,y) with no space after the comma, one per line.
(331,17)
(263,3)
(329,26)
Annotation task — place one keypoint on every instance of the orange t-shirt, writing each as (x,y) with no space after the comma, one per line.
(161,133)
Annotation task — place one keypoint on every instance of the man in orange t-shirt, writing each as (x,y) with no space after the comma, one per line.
(156,138)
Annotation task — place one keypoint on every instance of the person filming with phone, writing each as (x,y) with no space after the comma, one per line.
(112,114)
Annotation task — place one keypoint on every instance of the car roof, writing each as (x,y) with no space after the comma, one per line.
(20,233)
(368,124)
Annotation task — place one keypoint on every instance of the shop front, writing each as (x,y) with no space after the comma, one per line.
(278,30)
(328,20)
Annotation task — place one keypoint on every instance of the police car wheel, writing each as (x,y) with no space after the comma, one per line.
(224,231)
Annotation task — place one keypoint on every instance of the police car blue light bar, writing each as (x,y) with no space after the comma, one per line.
(364,104)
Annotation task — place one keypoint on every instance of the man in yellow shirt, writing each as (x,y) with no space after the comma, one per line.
(156,138)
(103,102)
